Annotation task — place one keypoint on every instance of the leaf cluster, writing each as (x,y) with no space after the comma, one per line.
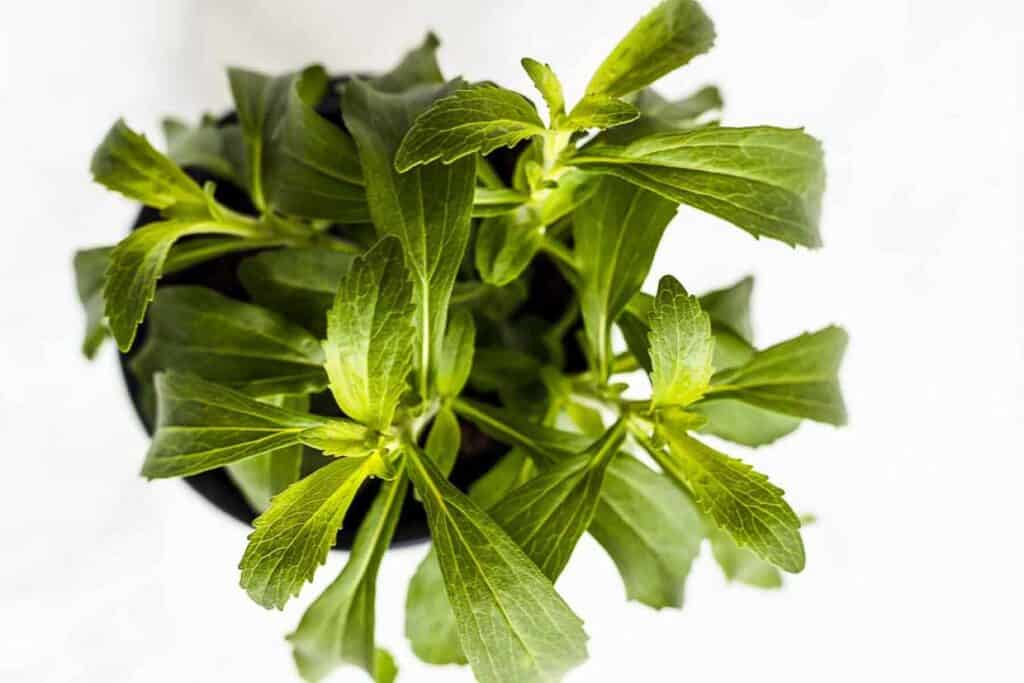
(387,270)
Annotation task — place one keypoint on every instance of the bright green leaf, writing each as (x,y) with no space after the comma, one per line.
(600,111)
(477,119)
(136,264)
(797,377)
(513,626)
(767,181)
(125,162)
(338,627)
(292,538)
(739,564)
(681,346)
(738,499)
(428,208)
(616,233)
(197,330)
(743,423)
(456,359)
(548,85)
(506,244)
(370,331)
(443,441)
(669,36)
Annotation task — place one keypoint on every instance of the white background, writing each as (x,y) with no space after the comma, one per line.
(913,570)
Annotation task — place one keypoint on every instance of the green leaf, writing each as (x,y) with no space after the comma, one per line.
(385,669)
(311,166)
(739,500)
(650,529)
(300,282)
(125,162)
(338,627)
(506,244)
(646,524)
(767,181)
(512,624)
(797,377)
(136,264)
(197,330)
(262,477)
(477,119)
(739,564)
(370,335)
(201,146)
(418,67)
(427,208)
(456,357)
(659,115)
(743,423)
(681,346)
(666,38)
(730,306)
(443,441)
(600,111)
(547,515)
(574,188)
(202,426)
(548,85)
(90,266)
(292,538)
(496,201)
(430,623)
(616,234)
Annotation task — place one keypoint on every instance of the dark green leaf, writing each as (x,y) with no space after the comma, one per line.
(199,147)
(300,283)
(738,499)
(338,627)
(456,357)
(797,377)
(478,119)
(616,234)
(418,67)
(513,626)
(90,266)
(262,477)
(666,38)
(370,335)
(197,330)
(681,346)
(547,515)
(311,166)
(428,208)
(135,266)
(203,426)
(125,162)
(767,181)
(292,538)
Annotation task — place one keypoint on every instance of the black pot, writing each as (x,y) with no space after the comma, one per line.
(549,295)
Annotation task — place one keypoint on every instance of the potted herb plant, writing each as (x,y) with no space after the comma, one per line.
(385,306)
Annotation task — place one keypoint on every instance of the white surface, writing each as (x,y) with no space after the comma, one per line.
(913,570)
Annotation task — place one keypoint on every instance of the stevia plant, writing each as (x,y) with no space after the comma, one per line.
(387,258)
